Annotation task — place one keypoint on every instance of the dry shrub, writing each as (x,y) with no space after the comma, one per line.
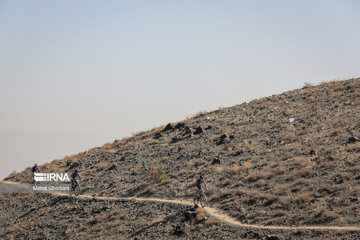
(311,99)
(39,213)
(70,159)
(212,222)
(200,213)
(151,141)
(158,174)
(250,145)
(108,147)
(150,189)
(303,161)
(288,137)
(279,213)
(304,197)
(183,172)
(219,169)
(354,147)
(97,219)
(15,228)
(122,228)
(323,215)
(143,222)
(83,227)
(247,165)
(261,183)
(4,197)
(235,169)
(103,165)
(280,191)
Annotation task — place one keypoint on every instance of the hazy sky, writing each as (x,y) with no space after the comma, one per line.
(100,70)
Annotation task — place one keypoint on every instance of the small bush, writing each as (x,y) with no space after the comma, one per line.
(158,174)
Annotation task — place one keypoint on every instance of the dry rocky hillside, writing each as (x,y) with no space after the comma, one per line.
(291,159)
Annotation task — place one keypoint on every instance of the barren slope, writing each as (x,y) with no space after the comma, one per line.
(290,159)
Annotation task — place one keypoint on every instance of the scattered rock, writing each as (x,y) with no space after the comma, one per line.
(238,153)
(198,130)
(175,140)
(187,131)
(354,199)
(208,127)
(189,215)
(178,230)
(353,139)
(74,165)
(157,135)
(271,238)
(179,125)
(216,161)
(312,152)
(112,167)
(168,127)
(222,139)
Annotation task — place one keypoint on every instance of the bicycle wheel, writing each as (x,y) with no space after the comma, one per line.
(196,199)
(77,190)
(203,200)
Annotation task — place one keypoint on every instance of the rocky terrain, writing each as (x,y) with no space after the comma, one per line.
(291,159)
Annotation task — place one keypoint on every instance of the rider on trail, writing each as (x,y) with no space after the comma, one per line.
(35,169)
(198,183)
(73,177)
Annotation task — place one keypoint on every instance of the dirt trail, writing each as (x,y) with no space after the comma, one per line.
(214,213)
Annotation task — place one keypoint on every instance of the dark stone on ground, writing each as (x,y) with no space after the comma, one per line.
(222,139)
(175,140)
(112,167)
(187,131)
(157,135)
(271,238)
(74,165)
(168,127)
(216,161)
(353,139)
(198,130)
(179,125)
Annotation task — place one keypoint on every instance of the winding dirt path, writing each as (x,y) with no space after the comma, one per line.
(214,213)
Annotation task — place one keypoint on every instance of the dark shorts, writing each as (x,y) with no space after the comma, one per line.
(198,186)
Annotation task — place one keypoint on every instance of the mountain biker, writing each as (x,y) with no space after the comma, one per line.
(198,183)
(74,175)
(35,169)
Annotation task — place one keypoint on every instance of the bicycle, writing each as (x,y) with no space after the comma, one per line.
(76,188)
(200,197)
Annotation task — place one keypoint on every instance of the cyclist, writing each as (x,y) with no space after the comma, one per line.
(198,183)
(34,169)
(74,175)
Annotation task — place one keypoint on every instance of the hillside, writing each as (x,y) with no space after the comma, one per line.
(291,159)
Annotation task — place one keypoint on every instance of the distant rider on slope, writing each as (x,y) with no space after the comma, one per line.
(198,183)
(74,175)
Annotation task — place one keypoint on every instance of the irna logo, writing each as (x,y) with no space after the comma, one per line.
(51,177)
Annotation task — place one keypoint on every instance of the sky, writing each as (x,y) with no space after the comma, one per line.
(78,74)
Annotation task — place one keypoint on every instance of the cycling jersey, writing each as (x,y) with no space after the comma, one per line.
(34,168)
(199,182)
(74,175)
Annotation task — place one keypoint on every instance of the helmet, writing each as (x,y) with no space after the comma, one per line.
(76,171)
(35,164)
(201,177)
